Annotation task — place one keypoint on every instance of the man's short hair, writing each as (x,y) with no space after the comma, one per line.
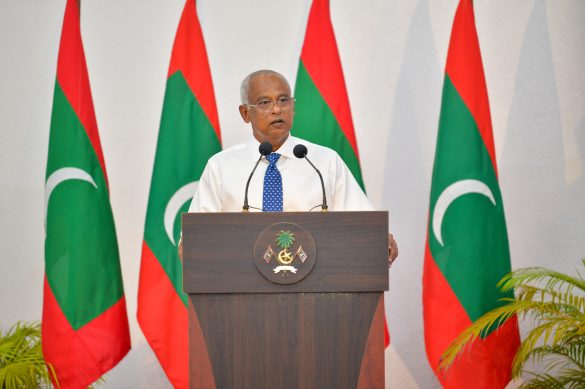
(245,86)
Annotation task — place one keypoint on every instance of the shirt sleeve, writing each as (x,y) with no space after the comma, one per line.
(347,194)
(207,197)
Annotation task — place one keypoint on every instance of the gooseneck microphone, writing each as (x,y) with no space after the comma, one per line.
(300,151)
(265,149)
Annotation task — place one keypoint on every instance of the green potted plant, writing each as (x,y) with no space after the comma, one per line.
(553,303)
(21,358)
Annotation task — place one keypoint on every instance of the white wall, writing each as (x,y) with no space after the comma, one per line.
(393,53)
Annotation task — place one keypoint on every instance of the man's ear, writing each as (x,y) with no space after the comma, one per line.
(244,113)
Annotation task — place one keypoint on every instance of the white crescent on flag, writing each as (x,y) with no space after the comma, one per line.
(180,197)
(450,194)
(61,175)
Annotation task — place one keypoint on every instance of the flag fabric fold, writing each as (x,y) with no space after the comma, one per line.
(189,134)
(467,249)
(322,111)
(85,326)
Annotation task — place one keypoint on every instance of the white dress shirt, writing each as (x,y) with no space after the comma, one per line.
(223,182)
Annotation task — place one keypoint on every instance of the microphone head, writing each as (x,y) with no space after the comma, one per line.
(265,148)
(300,151)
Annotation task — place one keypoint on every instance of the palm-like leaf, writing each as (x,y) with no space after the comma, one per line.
(555,303)
(21,358)
(574,356)
(285,239)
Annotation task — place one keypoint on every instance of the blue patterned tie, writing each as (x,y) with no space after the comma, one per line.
(272,195)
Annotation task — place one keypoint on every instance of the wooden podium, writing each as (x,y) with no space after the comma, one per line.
(286,300)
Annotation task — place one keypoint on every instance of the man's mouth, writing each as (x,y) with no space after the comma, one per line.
(277,121)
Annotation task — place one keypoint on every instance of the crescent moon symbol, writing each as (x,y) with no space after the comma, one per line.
(181,196)
(64,174)
(450,194)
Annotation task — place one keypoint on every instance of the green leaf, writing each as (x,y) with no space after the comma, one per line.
(285,239)
(554,304)
(22,364)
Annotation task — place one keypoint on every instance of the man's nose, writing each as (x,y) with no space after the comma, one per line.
(276,108)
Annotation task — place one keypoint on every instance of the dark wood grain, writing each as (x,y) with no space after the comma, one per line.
(200,369)
(372,369)
(351,252)
(324,331)
(287,340)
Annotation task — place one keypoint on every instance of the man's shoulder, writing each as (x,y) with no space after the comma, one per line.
(320,155)
(236,152)
(316,150)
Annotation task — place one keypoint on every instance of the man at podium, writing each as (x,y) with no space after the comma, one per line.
(280,179)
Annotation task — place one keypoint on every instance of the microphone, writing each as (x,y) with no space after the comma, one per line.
(265,149)
(300,151)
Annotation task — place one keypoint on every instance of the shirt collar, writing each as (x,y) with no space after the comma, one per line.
(285,150)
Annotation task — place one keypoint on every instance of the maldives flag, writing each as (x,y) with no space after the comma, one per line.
(322,113)
(189,134)
(85,326)
(467,249)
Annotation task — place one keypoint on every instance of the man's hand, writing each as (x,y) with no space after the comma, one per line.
(180,248)
(392,250)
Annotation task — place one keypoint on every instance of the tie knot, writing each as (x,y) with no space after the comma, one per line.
(272,158)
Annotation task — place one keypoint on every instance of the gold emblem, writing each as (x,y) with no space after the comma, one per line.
(285,257)
(285,253)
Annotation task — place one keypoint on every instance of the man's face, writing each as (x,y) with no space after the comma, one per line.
(271,125)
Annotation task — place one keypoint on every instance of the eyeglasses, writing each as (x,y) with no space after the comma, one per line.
(284,102)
